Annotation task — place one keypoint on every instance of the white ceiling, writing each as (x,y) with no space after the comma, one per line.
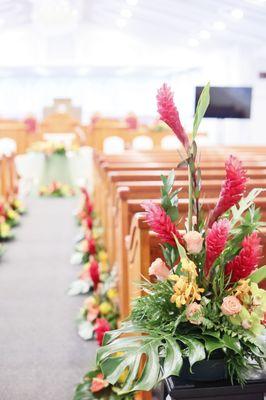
(118,32)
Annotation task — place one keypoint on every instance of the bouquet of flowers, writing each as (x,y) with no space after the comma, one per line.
(99,313)
(94,386)
(56,189)
(204,301)
(8,215)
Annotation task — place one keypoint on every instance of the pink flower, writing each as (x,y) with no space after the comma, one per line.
(232,189)
(241,266)
(159,269)
(169,114)
(98,383)
(231,305)
(94,271)
(194,242)
(93,309)
(215,242)
(101,326)
(161,223)
(194,313)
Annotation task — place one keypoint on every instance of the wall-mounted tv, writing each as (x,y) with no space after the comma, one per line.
(227,102)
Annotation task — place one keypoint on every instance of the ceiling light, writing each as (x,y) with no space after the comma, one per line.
(204,34)
(126,13)
(121,23)
(237,13)
(219,26)
(132,2)
(193,42)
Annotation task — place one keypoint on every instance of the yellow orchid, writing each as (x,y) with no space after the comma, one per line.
(185,287)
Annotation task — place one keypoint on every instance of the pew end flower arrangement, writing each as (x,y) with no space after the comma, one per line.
(205,302)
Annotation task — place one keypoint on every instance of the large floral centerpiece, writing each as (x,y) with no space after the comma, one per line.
(204,301)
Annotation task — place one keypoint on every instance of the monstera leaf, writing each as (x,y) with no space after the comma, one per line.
(146,357)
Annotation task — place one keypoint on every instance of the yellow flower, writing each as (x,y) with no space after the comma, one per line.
(243,290)
(105,308)
(102,256)
(186,290)
(112,293)
(5,229)
(11,214)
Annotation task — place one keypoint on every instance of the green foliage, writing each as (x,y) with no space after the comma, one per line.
(169,197)
(259,275)
(148,356)
(202,106)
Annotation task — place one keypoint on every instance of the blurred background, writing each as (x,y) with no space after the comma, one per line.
(110,57)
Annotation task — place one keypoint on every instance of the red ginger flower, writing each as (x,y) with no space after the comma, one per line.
(101,326)
(215,242)
(94,273)
(161,223)
(232,189)
(87,202)
(91,246)
(169,114)
(247,260)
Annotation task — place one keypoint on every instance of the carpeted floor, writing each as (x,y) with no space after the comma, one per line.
(41,356)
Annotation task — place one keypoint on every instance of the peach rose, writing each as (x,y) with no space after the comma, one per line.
(159,269)
(194,242)
(194,313)
(231,305)
(98,383)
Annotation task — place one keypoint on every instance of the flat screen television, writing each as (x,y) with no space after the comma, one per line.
(227,102)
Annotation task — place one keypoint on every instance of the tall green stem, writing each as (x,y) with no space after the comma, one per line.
(190,197)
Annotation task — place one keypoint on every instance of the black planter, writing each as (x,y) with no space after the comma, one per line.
(209,370)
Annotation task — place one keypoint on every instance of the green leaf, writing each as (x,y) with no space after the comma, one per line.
(232,343)
(212,344)
(172,211)
(196,350)
(141,355)
(259,275)
(202,106)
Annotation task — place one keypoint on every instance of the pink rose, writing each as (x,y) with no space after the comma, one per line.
(194,313)
(159,269)
(194,242)
(231,305)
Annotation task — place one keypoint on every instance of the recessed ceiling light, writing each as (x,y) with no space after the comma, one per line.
(121,23)
(132,2)
(126,13)
(193,42)
(237,13)
(219,26)
(204,34)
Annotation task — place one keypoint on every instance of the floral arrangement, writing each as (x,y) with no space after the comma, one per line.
(56,189)
(99,313)
(17,205)
(204,301)
(49,147)
(94,386)
(8,215)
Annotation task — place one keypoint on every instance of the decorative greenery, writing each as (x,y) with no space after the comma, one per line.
(205,301)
